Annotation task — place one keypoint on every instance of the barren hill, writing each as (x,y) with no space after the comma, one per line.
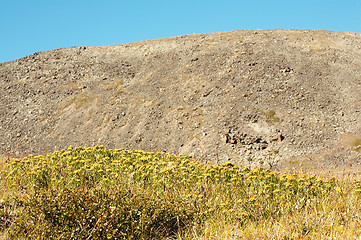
(230,96)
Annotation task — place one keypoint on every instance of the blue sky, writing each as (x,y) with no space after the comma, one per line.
(29,26)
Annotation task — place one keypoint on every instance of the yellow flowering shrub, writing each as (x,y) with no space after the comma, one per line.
(180,190)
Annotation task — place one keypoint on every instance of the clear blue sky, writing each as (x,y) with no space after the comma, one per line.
(29,26)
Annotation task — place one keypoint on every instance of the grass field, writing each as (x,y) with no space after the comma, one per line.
(98,193)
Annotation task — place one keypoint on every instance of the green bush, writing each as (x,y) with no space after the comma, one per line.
(98,193)
(100,214)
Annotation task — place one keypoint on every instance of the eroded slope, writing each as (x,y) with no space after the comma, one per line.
(220,96)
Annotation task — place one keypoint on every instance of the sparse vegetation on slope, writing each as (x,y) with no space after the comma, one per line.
(236,90)
(98,193)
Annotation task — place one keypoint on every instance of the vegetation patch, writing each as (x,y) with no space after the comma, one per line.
(271,116)
(98,193)
(351,141)
(356,144)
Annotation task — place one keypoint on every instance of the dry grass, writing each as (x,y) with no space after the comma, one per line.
(190,200)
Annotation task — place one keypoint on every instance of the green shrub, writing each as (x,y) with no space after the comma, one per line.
(271,116)
(357,144)
(100,214)
(98,193)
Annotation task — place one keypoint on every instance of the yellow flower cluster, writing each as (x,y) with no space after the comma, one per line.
(242,193)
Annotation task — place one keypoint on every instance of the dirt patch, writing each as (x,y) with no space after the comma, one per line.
(231,96)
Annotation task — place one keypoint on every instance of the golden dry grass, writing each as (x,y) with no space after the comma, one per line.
(196,200)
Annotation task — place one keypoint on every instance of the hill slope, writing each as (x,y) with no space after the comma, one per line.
(230,96)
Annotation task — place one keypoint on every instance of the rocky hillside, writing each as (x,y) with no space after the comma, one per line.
(230,96)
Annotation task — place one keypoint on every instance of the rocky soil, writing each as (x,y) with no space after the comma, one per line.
(275,98)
